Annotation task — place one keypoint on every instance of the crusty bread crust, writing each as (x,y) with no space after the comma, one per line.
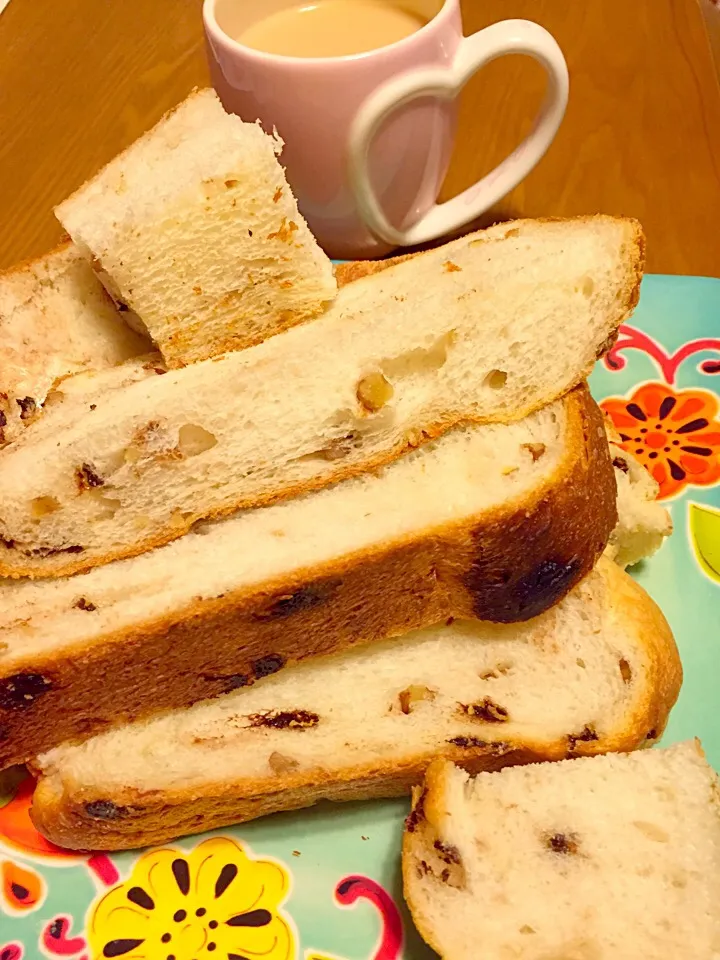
(507,564)
(177,348)
(29,262)
(130,818)
(15,563)
(352,270)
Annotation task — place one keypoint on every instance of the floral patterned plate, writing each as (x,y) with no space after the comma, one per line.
(325,883)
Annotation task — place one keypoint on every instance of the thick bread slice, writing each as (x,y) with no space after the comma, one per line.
(485,329)
(55,320)
(497,522)
(598,672)
(194,226)
(600,858)
(642,523)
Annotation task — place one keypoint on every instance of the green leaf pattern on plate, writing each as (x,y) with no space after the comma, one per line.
(705,537)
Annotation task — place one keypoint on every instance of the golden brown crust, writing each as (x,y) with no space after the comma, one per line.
(506,564)
(31,262)
(131,818)
(352,270)
(177,345)
(69,563)
(664,677)
(80,817)
(420,834)
(638,258)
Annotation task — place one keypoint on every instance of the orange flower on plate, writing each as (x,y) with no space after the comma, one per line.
(673,433)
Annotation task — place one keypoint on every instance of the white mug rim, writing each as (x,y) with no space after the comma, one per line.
(212,27)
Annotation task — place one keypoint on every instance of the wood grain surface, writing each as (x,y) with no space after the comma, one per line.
(80,79)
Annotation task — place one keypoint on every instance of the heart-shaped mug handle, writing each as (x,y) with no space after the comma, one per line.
(505,37)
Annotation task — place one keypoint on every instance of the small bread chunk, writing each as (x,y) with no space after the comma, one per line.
(366,723)
(643,523)
(602,858)
(55,320)
(195,228)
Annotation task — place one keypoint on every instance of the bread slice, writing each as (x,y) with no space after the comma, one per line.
(195,228)
(602,858)
(598,672)
(642,522)
(497,522)
(485,329)
(55,320)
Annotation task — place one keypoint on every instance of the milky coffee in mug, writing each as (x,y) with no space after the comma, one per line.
(363,93)
(332,28)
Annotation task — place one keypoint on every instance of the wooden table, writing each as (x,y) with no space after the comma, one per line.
(641,136)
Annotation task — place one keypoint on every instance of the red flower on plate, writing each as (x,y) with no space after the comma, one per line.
(11,951)
(674,433)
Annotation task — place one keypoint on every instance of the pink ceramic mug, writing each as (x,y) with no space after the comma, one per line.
(368,137)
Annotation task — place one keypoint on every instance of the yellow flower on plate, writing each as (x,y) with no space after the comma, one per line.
(213,903)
